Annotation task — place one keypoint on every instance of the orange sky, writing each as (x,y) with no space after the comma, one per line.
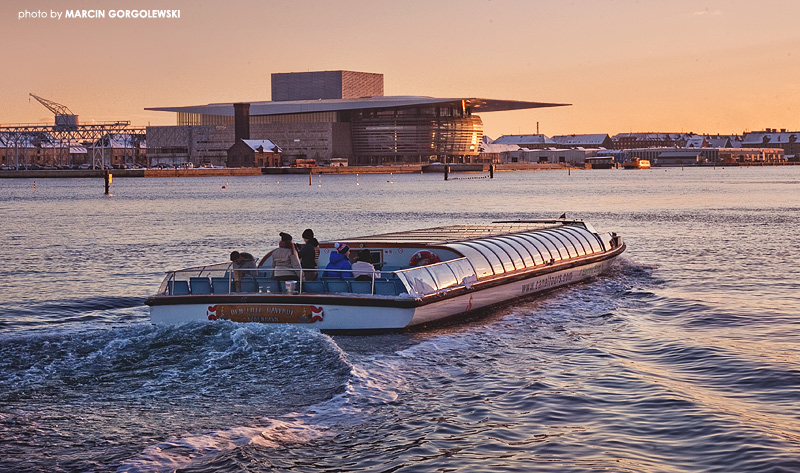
(624,65)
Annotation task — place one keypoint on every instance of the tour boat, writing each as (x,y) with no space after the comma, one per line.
(422,277)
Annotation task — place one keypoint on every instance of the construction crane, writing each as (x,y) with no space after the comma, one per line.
(64,116)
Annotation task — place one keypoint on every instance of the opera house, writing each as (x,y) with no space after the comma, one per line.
(330,115)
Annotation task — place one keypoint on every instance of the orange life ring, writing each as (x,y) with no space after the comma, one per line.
(423,257)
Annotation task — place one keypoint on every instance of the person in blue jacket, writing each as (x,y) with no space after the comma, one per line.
(340,259)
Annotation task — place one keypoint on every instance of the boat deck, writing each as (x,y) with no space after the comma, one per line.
(455,233)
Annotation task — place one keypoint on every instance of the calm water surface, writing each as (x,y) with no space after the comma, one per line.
(684,358)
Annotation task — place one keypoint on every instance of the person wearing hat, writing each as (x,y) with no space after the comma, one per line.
(340,259)
(363,269)
(309,255)
(284,260)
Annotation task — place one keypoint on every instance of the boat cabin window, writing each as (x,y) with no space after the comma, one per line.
(482,264)
(580,244)
(539,252)
(374,256)
(553,243)
(443,276)
(489,248)
(522,249)
(512,251)
(545,247)
(465,273)
(592,244)
(419,280)
(565,242)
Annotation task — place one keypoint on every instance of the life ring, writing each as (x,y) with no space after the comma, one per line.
(423,257)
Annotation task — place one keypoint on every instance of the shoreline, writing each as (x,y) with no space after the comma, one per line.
(210,172)
(405,169)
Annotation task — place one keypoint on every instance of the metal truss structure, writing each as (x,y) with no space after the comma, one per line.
(96,138)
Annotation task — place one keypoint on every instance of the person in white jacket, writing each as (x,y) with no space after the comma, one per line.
(285,260)
(363,268)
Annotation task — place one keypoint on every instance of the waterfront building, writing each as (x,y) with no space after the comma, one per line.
(772,138)
(336,114)
(34,149)
(42,149)
(648,140)
(752,155)
(600,140)
(492,152)
(707,156)
(120,149)
(536,141)
(549,156)
(718,141)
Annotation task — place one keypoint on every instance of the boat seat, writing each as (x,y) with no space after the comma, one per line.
(361,287)
(178,288)
(314,287)
(399,286)
(388,271)
(268,285)
(385,288)
(220,285)
(337,285)
(249,285)
(200,285)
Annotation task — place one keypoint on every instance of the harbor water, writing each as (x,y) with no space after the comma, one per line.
(684,358)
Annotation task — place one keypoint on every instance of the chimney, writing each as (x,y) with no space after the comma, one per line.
(241,121)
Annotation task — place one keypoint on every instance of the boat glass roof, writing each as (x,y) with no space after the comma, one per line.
(527,249)
(498,248)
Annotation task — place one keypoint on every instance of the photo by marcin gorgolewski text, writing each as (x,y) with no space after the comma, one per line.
(99,14)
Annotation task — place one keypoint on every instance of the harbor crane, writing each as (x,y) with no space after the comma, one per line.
(64,116)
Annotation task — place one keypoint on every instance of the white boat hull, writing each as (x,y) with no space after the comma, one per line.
(332,317)
(358,313)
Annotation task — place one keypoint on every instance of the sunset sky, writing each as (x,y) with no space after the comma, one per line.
(707,67)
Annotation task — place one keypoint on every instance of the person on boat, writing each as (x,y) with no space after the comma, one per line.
(309,255)
(285,260)
(243,265)
(363,268)
(340,259)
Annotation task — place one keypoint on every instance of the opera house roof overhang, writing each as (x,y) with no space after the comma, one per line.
(476,105)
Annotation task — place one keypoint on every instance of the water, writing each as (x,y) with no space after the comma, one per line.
(683,359)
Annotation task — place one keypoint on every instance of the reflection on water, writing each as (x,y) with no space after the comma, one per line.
(683,358)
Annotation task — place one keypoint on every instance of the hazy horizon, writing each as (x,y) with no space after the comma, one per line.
(712,67)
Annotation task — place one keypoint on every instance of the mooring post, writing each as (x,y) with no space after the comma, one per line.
(108,177)
(491,171)
(446,172)
(310,175)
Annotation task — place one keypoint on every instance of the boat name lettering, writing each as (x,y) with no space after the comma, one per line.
(593,271)
(266,313)
(262,319)
(547,282)
(260,309)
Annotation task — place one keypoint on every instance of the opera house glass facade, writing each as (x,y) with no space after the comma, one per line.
(420,134)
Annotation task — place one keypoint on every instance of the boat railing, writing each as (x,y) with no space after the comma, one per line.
(222,278)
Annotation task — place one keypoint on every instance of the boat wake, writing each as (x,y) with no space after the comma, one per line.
(363,394)
(27,315)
